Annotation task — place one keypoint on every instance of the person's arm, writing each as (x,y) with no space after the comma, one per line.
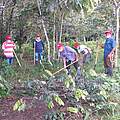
(64,62)
(3,46)
(14,46)
(114,47)
(76,57)
(33,44)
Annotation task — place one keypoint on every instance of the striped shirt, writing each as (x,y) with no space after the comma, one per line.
(8,47)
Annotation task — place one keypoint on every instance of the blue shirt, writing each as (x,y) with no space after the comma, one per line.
(68,53)
(110,43)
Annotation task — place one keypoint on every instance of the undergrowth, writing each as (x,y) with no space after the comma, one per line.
(94,94)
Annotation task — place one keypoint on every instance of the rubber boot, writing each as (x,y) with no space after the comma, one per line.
(110,72)
(106,70)
(36,62)
(68,72)
(40,62)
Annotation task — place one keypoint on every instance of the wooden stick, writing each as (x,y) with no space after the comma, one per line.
(34,53)
(64,68)
(17,58)
(97,54)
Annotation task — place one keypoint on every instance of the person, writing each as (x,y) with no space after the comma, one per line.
(67,41)
(85,51)
(8,47)
(109,50)
(76,45)
(69,55)
(39,47)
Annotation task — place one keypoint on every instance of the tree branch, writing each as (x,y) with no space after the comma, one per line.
(115,3)
(118,5)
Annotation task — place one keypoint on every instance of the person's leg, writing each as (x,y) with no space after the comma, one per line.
(110,68)
(36,57)
(88,57)
(84,58)
(40,54)
(8,61)
(106,70)
(77,67)
(68,68)
(109,71)
(11,60)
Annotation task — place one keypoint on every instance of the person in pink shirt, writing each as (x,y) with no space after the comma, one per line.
(8,46)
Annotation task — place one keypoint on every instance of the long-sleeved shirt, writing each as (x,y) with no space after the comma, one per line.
(108,46)
(84,49)
(8,47)
(68,53)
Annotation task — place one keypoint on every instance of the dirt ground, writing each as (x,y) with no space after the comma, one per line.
(36,112)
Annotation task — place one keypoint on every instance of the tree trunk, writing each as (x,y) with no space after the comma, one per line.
(92,4)
(84,39)
(10,20)
(54,42)
(44,28)
(1,23)
(61,27)
(117,37)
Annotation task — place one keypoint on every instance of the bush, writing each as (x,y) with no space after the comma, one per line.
(4,87)
(6,70)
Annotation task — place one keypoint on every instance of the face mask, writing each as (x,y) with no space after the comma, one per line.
(38,39)
(108,35)
(8,40)
(61,49)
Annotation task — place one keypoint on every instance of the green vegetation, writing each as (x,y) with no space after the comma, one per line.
(93,95)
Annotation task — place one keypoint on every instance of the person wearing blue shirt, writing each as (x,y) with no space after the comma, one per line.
(109,50)
(39,47)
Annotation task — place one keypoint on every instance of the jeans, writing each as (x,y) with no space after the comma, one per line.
(10,60)
(38,55)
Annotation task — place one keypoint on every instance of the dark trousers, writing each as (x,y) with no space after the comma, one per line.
(108,66)
(86,57)
(109,71)
(76,65)
(9,60)
(69,62)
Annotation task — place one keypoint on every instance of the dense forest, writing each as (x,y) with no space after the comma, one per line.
(43,90)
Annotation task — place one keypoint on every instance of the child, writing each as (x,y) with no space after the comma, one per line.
(39,47)
(8,46)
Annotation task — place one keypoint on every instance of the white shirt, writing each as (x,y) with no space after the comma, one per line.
(83,48)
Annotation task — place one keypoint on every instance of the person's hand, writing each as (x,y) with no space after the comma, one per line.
(65,66)
(76,59)
(109,55)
